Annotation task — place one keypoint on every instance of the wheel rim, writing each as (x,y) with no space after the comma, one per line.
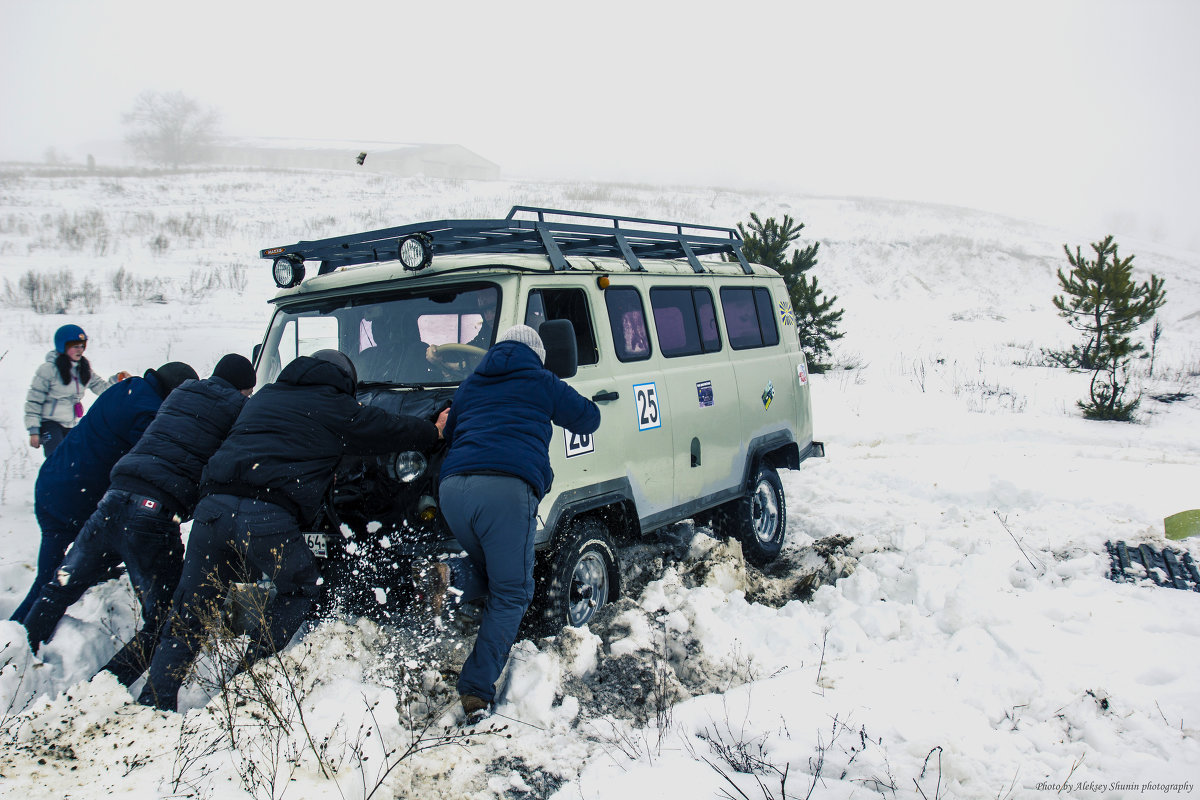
(764,510)
(589,588)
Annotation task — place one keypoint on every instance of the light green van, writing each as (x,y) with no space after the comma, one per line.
(689,351)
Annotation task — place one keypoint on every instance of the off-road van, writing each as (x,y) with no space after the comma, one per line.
(689,350)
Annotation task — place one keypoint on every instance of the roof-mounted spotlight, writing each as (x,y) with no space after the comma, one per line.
(288,272)
(416,251)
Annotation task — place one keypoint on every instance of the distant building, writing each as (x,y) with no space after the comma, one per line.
(432,160)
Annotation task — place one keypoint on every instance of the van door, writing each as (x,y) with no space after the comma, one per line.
(582,462)
(638,421)
(700,383)
(763,372)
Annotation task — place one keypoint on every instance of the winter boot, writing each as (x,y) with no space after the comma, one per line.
(475,709)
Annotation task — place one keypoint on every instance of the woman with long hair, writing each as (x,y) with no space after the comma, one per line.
(55,400)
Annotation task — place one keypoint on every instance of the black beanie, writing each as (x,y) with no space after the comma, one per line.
(339,360)
(236,369)
(171,374)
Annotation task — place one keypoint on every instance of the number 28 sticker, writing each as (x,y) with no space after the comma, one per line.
(579,444)
(649,415)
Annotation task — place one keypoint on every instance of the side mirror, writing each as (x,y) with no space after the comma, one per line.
(254,353)
(562,354)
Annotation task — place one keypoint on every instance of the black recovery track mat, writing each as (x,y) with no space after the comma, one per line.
(1165,567)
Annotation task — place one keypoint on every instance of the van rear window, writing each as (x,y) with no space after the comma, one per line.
(749,318)
(685,321)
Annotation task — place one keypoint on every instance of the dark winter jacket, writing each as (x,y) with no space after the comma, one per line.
(291,434)
(75,476)
(167,462)
(500,420)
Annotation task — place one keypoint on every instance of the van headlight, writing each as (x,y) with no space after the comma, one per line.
(406,467)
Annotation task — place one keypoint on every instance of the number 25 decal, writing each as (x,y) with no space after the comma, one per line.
(646,398)
(579,444)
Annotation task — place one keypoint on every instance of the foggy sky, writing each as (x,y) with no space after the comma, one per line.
(1083,113)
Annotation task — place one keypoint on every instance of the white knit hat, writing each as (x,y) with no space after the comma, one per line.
(526,336)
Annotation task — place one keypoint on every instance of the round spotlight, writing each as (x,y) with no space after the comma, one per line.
(408,466)
(415,252)
(287,272)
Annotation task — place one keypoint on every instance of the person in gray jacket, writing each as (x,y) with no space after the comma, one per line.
(54,403)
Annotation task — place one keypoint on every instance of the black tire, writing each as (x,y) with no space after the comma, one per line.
(576,578)
(758,520)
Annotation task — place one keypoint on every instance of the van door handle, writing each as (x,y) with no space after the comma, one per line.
(604,397)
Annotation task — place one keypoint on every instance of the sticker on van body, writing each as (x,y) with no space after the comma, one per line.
(704,393)
(768,395)
(579,444)
(801,374)
(786,314)
(645,398)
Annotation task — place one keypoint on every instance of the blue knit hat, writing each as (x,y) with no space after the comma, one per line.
(67,334)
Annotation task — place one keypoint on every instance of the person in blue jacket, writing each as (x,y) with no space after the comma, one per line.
(75,476)
(154,487)
(267,480)
(495,474)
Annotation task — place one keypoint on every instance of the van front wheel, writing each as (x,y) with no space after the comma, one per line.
(576,579)
(758,520)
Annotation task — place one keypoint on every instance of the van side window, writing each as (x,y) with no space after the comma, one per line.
(685,321)
(749,318)
(628,321)
(569,304)
(706,313)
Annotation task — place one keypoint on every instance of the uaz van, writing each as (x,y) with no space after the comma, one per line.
(689,350)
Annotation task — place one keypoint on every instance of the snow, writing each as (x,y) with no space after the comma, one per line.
(940,624)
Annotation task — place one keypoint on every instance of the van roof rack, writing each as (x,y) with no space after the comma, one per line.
(630,238)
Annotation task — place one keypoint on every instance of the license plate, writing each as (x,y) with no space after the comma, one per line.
(316,543)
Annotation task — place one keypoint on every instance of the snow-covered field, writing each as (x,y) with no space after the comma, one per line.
(957,637)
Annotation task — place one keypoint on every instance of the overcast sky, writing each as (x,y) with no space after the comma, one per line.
(1085,112)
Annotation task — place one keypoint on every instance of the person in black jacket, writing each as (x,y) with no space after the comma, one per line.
(267,480)
(153,488)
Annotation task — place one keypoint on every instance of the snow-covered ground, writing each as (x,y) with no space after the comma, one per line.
(940,624)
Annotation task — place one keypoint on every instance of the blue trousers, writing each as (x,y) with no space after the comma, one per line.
(233,539)
(57,535)
(127,528)
(493,517)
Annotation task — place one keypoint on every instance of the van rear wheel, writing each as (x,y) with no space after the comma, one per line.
(578,577)
(758,520)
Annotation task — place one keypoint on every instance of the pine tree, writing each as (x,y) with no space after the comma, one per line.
(768,243)
(1101,300)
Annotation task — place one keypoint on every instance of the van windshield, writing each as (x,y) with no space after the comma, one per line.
(411,339)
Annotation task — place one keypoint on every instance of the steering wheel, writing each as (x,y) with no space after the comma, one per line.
(458,352)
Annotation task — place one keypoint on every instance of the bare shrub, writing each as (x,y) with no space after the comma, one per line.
(205,281)
(984,397)
(82,229)
(159,245)
(261,709)
(128,288)
(45,293)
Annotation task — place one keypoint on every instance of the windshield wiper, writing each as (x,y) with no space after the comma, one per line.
(388,385)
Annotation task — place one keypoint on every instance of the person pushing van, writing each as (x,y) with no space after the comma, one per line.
(496,472)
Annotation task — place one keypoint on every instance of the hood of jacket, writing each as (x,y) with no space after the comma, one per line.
(307,371)
(505,358)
